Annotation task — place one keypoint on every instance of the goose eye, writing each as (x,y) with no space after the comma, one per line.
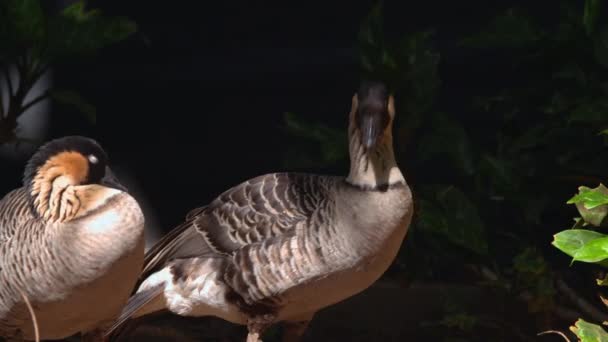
(93,159)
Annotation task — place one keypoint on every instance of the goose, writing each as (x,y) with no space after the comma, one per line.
(71,245)
(279,247)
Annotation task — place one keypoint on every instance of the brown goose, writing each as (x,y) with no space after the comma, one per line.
(280,247)
(71,242)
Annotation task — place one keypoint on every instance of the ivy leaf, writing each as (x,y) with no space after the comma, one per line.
(452,215)
(594,251)
(74,99)
(588,332)
(571,241)
(592,204)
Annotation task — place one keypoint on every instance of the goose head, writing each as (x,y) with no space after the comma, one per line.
(374,111)
(60,165)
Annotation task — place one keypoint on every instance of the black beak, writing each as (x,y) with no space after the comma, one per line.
(111,181)
(371,127)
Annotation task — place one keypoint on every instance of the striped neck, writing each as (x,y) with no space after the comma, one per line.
(373,168)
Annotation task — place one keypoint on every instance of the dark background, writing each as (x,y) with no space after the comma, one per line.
(193,103)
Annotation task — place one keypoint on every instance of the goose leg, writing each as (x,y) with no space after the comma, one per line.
(257,325)
(294,329)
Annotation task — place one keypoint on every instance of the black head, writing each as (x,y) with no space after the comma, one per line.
(372,117)
(80,158)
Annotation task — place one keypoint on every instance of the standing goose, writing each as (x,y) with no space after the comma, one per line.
(71,242)
(280,247)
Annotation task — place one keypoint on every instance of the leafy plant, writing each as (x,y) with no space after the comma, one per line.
(588,246)
(33,40)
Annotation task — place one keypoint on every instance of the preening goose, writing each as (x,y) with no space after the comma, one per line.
(280,247)
(71,242)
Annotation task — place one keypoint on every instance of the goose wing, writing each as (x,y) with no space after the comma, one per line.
(260,209)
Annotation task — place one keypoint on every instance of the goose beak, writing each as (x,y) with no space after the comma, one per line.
(371,128)
(111,181)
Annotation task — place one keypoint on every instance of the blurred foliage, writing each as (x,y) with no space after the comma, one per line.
(32,40)
(486,169)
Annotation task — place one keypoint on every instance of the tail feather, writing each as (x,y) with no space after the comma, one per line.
(135,303)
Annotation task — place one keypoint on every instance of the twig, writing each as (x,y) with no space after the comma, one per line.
(583,304)
(32,314)
(555,332)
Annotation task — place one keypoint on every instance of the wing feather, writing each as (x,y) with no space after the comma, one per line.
(263,208)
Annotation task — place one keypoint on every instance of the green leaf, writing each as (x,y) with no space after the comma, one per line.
(592,204)
(460,321)
(74,99)
(452,215)
(448,141)
(77,11)
(512,29)
(21,25)
(530,263)
(590,14)
(593,251)
(591,198)
(78,31)
(590,112)
(371,39)
(571,241)
(588,332)
(332,143)
(603,281)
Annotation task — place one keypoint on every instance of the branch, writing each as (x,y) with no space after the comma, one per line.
(44,95)
(583,304)
(555,332)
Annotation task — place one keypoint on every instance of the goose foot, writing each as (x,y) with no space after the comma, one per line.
(256,326)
